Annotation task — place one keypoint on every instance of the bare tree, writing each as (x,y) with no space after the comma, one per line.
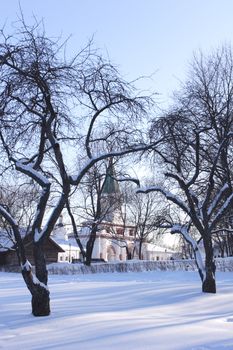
(197,155)
(96,207)
(144,213)
(20,200)
(223,236)
(48,105)
(31,111)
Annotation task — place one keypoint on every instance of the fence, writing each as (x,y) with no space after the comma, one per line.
(222,264)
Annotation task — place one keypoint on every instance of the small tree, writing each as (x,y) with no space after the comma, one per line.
(20,200)
(144,214)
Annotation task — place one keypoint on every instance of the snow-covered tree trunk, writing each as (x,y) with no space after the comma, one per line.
(37,285)
(184,231)
(40,297)
(206,269)
(40,293)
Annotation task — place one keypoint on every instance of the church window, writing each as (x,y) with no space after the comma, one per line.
(131,232)
(107,228)
(120,231)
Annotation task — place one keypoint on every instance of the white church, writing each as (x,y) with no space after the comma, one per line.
(115,239)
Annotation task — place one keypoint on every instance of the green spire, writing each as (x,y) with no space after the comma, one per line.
(110,185)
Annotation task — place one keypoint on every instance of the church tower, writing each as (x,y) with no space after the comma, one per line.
(59,231)
(111,196)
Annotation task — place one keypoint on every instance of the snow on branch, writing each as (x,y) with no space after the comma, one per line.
(191,196)
(30,171)
(26,266)
(178,177)
(170,196)
(75,179)
(217,198)
(213,168)
(222,210)
(7,216)
(36,281)
(223,229)
(126,179)
(38,234)
(183,230)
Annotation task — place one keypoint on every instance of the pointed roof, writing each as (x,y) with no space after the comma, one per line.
(110,185)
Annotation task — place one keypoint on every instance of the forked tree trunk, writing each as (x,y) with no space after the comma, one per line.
(206,270)
(40,294)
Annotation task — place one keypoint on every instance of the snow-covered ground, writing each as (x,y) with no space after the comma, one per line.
(120,311)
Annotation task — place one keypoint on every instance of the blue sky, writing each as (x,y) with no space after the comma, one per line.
(140,36)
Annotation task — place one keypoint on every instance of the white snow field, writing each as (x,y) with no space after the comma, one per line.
(119,311)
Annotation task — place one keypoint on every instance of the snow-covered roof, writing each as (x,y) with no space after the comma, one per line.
(85,230)
(155,248)
(5,242)
(66,244)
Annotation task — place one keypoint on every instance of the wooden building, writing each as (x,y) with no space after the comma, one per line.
(8,255)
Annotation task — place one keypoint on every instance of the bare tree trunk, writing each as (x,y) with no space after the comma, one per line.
(90,245)
(40,301)
(40,263)
(140,250)
(128,253)
(37,285)
(40,294)
(229,245)
(209,284)
(76,235)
